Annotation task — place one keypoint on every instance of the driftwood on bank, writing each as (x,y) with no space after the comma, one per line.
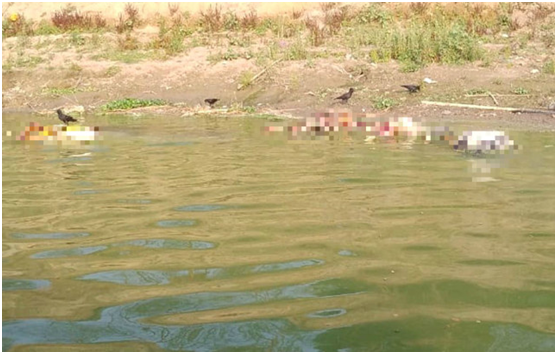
(508,109)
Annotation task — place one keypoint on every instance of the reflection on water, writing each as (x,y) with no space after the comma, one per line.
(154,277)
(23,284)
(50,235)
(202,234)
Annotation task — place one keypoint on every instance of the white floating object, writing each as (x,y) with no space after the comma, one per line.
(484,179)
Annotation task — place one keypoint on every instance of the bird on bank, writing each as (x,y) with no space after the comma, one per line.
(346,96)
(64,117)
(211,101)
(412,88)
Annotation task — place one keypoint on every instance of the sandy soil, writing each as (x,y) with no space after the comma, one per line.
(288,87)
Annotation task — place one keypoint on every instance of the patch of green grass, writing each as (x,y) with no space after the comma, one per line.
(309,64)
(130,103)
(113,71)
(245,79)
(416,44)
(280,26)
(382,103)
(171,38)
(57,92)
(23,42)
(75,68)
(130,57)
(76,39)
(476,91)
(409,67)
(249,109)
(521,91)
(374,13)
(8,67)
(549,67)
(22,61)
(229,55)
(239,39)
(46,28)
(297,51)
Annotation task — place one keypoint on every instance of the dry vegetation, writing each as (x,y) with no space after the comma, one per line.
(415,35)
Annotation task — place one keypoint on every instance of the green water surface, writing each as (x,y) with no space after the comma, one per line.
(202,234)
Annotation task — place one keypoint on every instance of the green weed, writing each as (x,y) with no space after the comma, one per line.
(245,79)
(549,67)
(381,103)
(113,71)
(521,91)
(476,91)
(129,57)
(130,103)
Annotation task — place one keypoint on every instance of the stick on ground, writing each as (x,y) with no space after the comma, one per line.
(240,86)
(509,109)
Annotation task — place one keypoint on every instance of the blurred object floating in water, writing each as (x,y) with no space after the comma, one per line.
(60,134)
(326,123)
(482,141)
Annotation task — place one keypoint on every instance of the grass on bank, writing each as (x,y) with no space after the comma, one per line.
(130,103)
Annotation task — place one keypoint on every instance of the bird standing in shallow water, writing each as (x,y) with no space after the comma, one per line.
(412,88)
(211,101)
(64,117)
(346,96)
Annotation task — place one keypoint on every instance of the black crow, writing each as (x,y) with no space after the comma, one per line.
(65,118)
(412,88)
(346,96)
(211,101)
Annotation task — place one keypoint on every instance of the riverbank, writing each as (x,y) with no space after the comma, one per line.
(285,63)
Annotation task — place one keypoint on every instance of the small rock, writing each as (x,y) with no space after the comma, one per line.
(446,113)
(427,80)
(534,71)
(392,271)
(551,106)
(504,35)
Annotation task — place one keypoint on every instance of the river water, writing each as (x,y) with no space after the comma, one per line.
(204,234)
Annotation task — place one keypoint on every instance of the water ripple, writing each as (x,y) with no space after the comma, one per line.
(327,313)
(23,284)
(79,251)
(202,207)
(157,277)
(54,235)
(176,223)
